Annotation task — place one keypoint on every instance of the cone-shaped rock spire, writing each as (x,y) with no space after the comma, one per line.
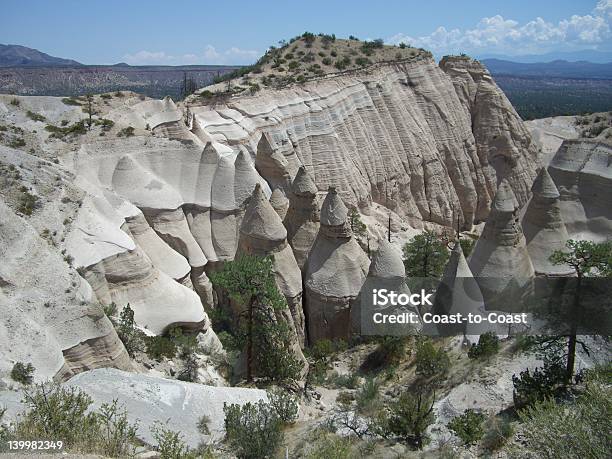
(500,261)
(543,226)
(262,233)
(279,202)
(303,215)
(335,272)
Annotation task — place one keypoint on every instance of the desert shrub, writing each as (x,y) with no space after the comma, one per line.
(17,142)
(388,354)
(468,426)
(284,406)
(467,245)
(321,356)
(23,373)
(327,61)
(402,45)
(343,63)
(349,381)
(189,371)
(77,128)
(15,102)
(488,345)
(170,444)
(362,61)
(71,101)
(28,203)
(106,124)
(425,256)
(539,384)
(60,413)
(329,445)
(35,116)
(160,346)
(203,425)
(580,429)
(293,65)
(253,430)
(367,395)
(126,132)
(357,226)
(408,418)
(106,96)
(430,360)
(499,431)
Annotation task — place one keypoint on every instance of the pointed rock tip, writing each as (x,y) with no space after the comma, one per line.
(303,184)
(265,144)
(333,210)
(260,219)
(544,186)
(242,161)
(457,263)
(278,197)
(387,261)
(505,200)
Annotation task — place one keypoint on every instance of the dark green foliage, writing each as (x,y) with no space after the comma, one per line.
(35,116)
(467,245)
(160,346)
(126,132)
(284,406)
(402,45)
(389,353)
(585,257)
(17,142)
(77,128)
(468,426)
(531,387)
(431,361)
(343,63)
(327,61)
(488,345)
(321,356)
(367,395)
(265,336)
(23,373)
(72,101)
(357,226)
(105,123)
(15,102)
(130,336)
(362,61)
(253,430)
(425,256)
(409,416)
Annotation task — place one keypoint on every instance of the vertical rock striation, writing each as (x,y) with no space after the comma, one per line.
(335,272)
(543,226)
(302,220)
(500,261)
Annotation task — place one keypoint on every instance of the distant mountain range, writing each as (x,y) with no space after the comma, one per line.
(589,55)
(554,69)
(22,56)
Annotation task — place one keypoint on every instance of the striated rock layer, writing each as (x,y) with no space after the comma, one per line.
(582,172)
(424,140)
(543,226)
(500,261)
(335,272)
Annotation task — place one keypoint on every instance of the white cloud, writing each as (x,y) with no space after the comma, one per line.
(209,56)
(506,36)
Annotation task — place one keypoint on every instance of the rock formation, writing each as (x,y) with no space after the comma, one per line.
(148,399)
(262,234)
(386,271)
(49,315)
(582,172)
(543,226)
(458,292)
(500,261)
(440,134)
(335,272)
(279,202)
(302,220)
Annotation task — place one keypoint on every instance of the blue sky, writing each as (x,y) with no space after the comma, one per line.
(237,32)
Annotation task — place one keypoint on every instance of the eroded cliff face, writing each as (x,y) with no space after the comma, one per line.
(428,142)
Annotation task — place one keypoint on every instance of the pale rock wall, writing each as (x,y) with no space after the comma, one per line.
(409,135)
(582,171)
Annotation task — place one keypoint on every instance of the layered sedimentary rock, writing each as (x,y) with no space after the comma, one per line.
(543,226)
(279,202)
(458,292)
(335,272)
(302,220)
(262,234)
(49,315)
(582,172)
(387,272)
(500,261)
(410,135)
